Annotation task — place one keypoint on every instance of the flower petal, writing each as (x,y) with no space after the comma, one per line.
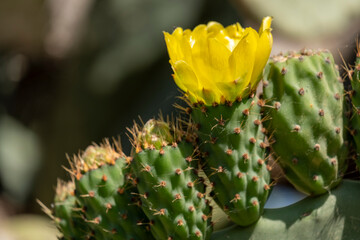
(200,56)
(178,32)
(218,55)
(208,96)
(262,55)
(185,77)
(199,42)
(171,45)
(242,59)
(265,24)
(229,89)
(178,46)
(210,67)
(233,30)
(213,28)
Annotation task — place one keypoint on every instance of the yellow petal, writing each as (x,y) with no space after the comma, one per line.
(199,41)
(201,61)
(262,55)
(242,59)
(229,89)
(213,28)
(172,46)
(200,55)
(178,47)
(220,71)
(207,96)
(178,32)
(185,77)
(265,24)
(192,97)
(224,39)
(231,31)
(218,55)
(234,30)
(212,66)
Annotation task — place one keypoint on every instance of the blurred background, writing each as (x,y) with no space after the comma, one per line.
(73,72)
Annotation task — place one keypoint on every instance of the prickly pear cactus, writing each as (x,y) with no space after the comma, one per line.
(67,213)
(354,75)
(172,194)
(107,195)
(233,145)
(218,68)
(304,96)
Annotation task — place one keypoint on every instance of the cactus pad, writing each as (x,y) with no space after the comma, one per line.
(67,214)
(172,194)
(354,75)
(304,98)
(106,192)
(233,147)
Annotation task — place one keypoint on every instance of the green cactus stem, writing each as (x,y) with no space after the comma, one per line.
(354,75)
(173,196)
(234,151)
(304,102)
(106,191)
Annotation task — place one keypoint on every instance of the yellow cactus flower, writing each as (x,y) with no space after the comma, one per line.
(213,64)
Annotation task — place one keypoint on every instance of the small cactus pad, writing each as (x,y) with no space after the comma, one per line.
(171,192)
(304,102)
(354,75)
(107,195)
(233,147)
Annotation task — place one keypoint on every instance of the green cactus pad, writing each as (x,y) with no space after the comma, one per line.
(172,195)
(304,102)
(234,147)
(329,216)
(106,192)
(67,214)
(355,99)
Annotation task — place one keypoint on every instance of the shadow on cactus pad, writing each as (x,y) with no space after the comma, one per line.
(330,216)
